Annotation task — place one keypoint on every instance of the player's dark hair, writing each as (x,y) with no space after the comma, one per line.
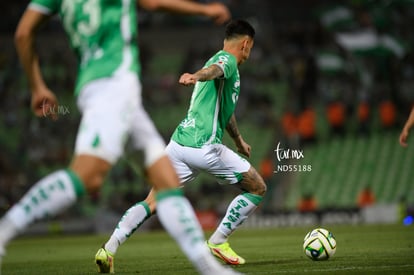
(239,27)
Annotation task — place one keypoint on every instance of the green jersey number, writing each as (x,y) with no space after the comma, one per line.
(83,22)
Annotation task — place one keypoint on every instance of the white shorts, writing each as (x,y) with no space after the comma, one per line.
(112,112)
(215,159)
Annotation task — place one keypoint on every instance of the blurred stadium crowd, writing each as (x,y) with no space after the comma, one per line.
(320,70)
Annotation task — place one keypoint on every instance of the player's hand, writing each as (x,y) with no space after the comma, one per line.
(404,137)
(218,12)
(187,79)
(242,146)
(44,103)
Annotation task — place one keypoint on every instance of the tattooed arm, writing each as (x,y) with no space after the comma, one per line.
(205,74)
(233,130)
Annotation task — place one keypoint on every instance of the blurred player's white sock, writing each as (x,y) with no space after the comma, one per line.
(49,196)
(130,221)
(2,250)
(7,232)
(178,218)
(1,259)
(239,210)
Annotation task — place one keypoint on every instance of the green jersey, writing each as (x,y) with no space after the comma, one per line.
(101,32)
(212,104)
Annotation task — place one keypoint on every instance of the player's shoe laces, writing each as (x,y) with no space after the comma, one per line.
(105,261)
(225,253)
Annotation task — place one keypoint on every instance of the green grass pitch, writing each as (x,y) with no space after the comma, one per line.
(379,249)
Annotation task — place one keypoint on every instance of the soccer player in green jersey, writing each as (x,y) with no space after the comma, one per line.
(196,146)
(103,36)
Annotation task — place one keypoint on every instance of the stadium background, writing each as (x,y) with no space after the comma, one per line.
(330,79)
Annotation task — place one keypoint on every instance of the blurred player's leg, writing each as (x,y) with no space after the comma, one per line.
(177,216)
(2,250)
(53,194)
(49,196)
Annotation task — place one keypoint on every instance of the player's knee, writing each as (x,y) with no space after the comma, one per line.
(151,204)
(91,171)
(254,183)
(261,186)
(93,183)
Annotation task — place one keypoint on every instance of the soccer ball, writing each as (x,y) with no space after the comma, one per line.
(319,244)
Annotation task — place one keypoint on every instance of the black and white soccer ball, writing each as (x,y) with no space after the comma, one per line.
(319,244)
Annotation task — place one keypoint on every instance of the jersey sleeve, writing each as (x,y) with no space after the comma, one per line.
(226,62)
(45,6)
